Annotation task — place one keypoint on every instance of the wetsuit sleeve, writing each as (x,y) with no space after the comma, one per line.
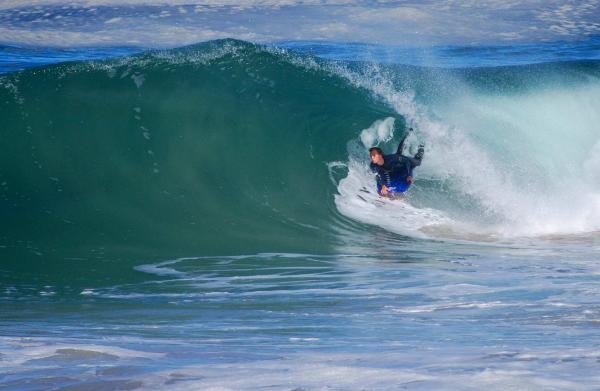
(416,161)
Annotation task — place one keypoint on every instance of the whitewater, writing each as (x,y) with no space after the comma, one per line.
(205,218)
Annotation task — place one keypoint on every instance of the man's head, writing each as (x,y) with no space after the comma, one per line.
(376,155)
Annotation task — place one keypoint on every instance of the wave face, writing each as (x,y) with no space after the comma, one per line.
(228,147)
(216,148)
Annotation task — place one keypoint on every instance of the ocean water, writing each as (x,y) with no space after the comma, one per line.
(204,218)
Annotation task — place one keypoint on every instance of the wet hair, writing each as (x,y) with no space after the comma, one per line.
(375,149)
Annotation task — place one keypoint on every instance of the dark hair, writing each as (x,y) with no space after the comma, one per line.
(376,149)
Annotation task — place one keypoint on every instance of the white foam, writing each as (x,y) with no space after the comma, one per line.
(524,179)
(406,367)
(473,369)
(450,306)
(379,131)
(18,351)
(160,269)
(523,158)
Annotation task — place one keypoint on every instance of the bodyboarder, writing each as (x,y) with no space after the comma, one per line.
(394,171)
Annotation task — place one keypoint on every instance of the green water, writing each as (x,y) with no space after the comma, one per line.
(219,154)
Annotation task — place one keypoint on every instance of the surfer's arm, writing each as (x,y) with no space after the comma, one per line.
(401,145)
(381,187)
(380,184)
(416,161)
(413,162)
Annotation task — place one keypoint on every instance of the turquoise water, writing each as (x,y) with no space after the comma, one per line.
(203,218)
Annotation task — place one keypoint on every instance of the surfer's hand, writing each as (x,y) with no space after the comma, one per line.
(409,179)
(384,190)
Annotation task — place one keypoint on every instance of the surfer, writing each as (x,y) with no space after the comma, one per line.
(394,172)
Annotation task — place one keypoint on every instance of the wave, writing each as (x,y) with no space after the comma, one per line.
(231,147)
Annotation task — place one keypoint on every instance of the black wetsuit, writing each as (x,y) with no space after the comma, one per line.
(396,169)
